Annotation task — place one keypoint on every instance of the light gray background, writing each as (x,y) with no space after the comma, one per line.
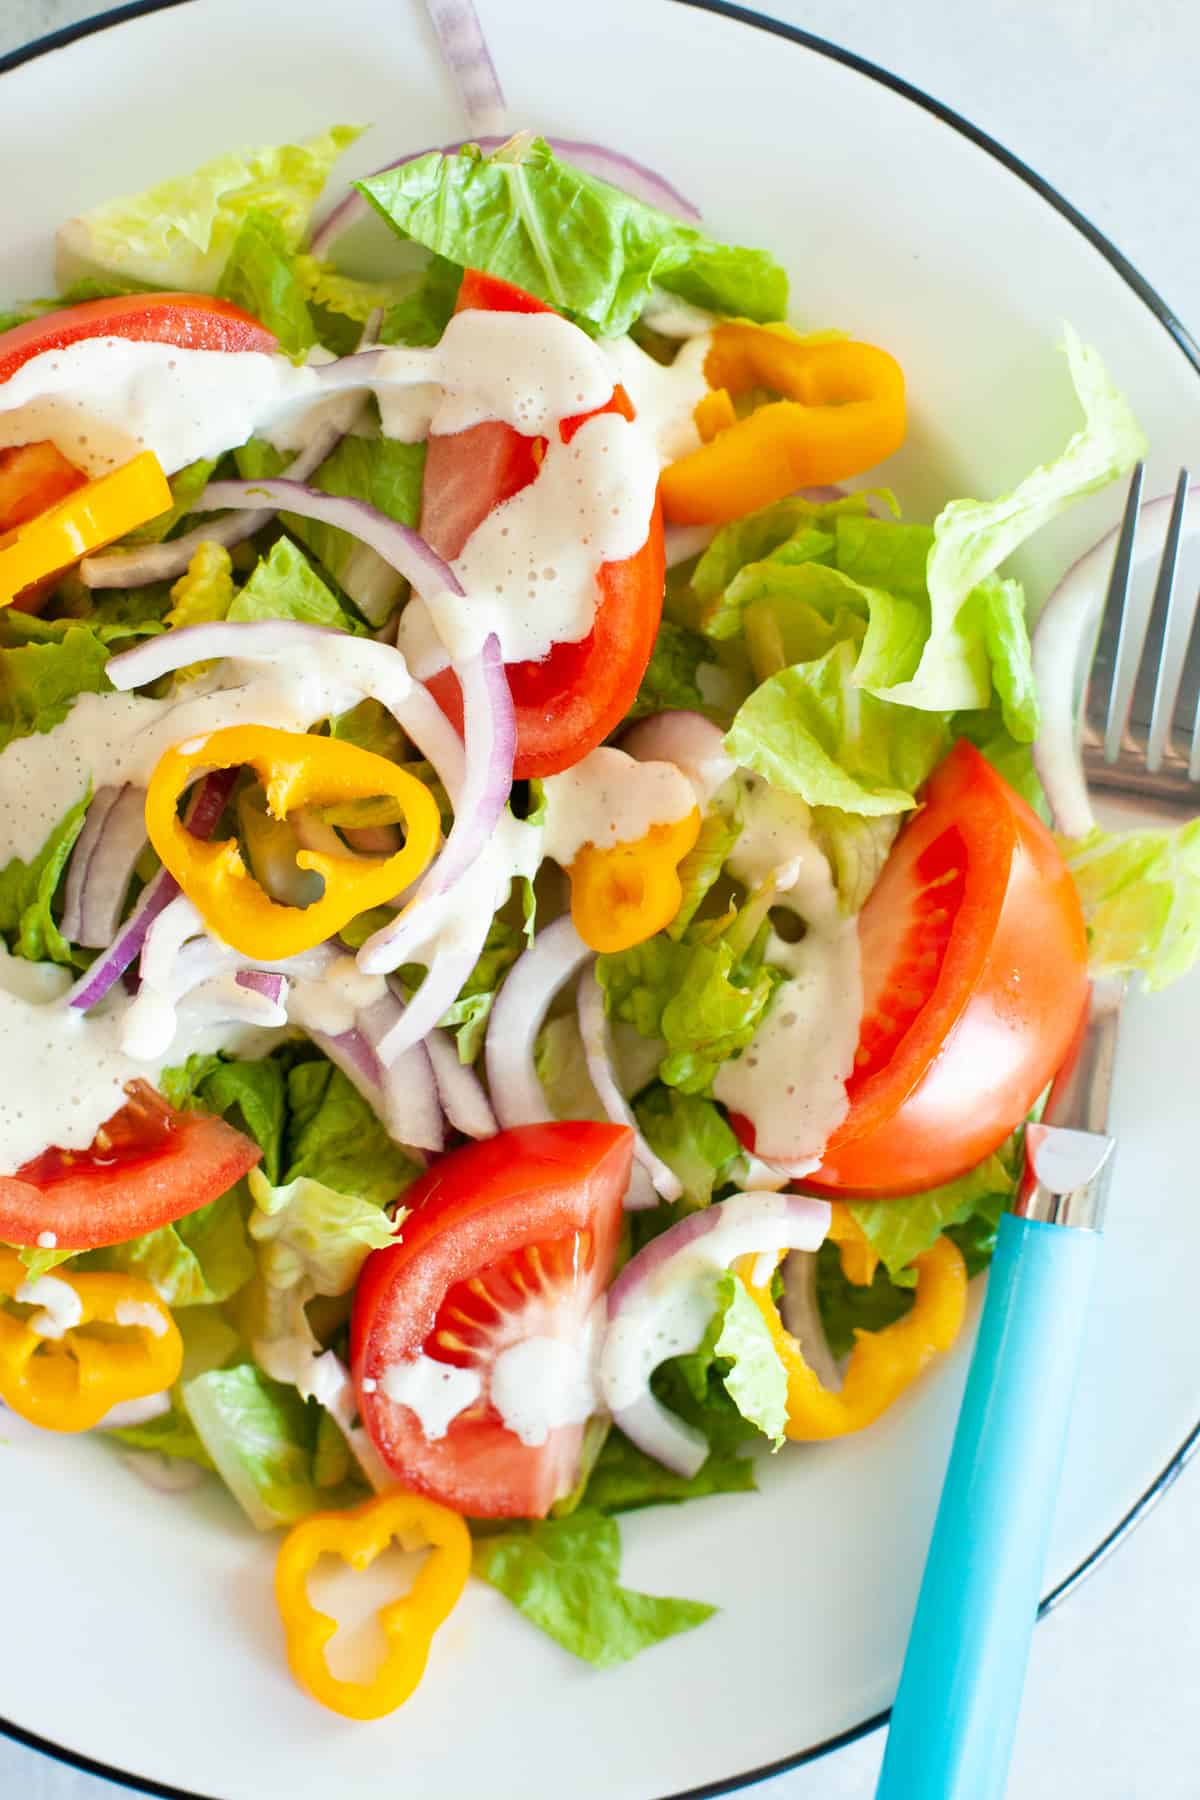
(1100,98)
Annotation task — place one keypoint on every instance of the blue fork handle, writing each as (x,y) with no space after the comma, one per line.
(956,1709)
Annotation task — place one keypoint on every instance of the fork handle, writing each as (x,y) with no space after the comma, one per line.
(956,1710)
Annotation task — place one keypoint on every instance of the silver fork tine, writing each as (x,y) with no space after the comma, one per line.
(1161,631)
(1123,671)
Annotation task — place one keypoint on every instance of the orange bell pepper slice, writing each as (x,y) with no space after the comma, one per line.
(624,894)
(409,1623)
(842,413)
(84,520)
(882,1363)
(63,1378)
(297,770)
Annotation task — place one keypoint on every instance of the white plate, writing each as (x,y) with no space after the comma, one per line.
(141,1632)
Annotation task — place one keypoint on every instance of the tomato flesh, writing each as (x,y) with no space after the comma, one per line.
(510,1239)
(149,1164)
(974,962)
(190,321)
(571,700)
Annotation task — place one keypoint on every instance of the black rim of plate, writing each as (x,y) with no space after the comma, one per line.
(742,15)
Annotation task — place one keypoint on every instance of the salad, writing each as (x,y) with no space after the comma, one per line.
(530,926)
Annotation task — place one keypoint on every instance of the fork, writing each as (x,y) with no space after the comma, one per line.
(956,1709)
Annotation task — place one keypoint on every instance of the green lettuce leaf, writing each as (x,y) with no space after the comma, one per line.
(900,1230)
(856,848)
(372,727)
(755,1380)
(179,233)
(39,681)
(846,1307)
(563,1574)
(27,892)
(260,276)
(812,731)
(250,1094)
(703,997)
(171,1434)
(329,291)
(284,585)
(1141,900)
(691,1136)
(701,867)
(420,318)
(624,1478)
(670,682)
(504,214)
(261,1438)
(975,639)
(205,591)
(200,1260)
(334,1136)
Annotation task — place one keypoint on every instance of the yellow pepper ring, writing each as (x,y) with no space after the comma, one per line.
(623,895)
(882,1363)
(296,770)
(85,520)
(68,1383)
(409,1623)
(844,412)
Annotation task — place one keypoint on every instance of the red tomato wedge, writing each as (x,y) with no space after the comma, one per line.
(571,700)
(190,321)
(974,960)
(509,1239)
(974,964)
(148,1165)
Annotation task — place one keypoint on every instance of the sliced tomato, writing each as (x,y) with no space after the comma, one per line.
(570,701)
(509,1239)
(190,321)
(974,965)
(148,1164)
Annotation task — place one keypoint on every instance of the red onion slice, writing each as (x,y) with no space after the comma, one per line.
(661,1303)
(272,987)
(802,1316)
(463,1096)
(1062,648)
(491,742)
(206,806)
(103,801)
(518,1010)
(450,965)
(411,1108)
(466,55)
(597,1048)
(613,166)
(399,545)
(110,869)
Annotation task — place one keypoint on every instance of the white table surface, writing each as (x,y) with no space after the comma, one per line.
(1099,97)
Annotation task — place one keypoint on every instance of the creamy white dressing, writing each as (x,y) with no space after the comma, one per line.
(103,400)
(609,798)
(62,1307)
(139,1314)
(669,1313)
(664,395)
(543,1383)
(330,1001)
(529,570)
(672,317)
(790,1081)
(435,1391)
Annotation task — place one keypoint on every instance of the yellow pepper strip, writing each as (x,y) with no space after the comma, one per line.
(297,770)
(622,895)
(86,520)
(358,1536)
(882,1363)
(68,1382)
(843,412)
